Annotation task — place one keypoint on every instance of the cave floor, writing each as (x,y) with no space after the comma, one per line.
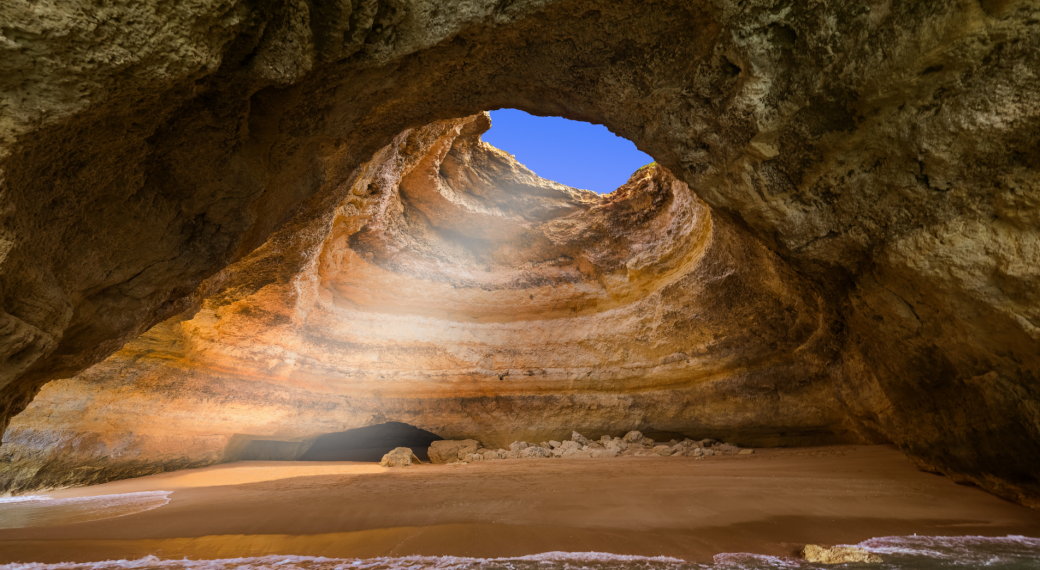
(773,502)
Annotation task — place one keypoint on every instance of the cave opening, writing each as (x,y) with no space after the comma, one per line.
(365,444)
(573,153)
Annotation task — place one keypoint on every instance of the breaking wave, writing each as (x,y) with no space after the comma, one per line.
(38,510)
(898,552)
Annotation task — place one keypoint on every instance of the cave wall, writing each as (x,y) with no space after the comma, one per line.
(458,292)
(884,150)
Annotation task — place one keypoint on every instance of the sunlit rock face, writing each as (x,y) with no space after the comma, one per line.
(885,150)
(458,292)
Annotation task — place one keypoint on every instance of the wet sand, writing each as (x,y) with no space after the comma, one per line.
(773,502)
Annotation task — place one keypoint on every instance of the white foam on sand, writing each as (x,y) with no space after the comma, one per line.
(24,499)
(38,510)
(900,552)
(962,550)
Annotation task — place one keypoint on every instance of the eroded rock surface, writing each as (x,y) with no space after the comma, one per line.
(399,457)
(458,292)
(885,150)
(633,443)
(839,555)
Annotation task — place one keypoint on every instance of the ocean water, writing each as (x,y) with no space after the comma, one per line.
(898,552)
(38,510)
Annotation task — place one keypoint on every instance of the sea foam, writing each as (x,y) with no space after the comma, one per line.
(899,553)
(38,510)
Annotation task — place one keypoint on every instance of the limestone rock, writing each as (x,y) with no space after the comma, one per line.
(400,457)
(535,452)
(838,555)
(575,436)
(727,449)
(638,439)
(450,451)
(663,450)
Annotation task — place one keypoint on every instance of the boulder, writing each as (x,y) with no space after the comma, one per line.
(535,452)
(452,450)
(553,444)
(838,555)
(637,438)
(518,446)
(399,457)
(633,437)
(567,449)
(575,436)
(662,450)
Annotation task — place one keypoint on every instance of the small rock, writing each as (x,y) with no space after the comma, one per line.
(603,440)
(399,457)
(746,452)
(706,442)
(575,436)
(633,437)
(518,446)
(568,449)
(495,454)
(534,452)
(637,438)
(553,444)
(838,554)
(727,449)
(545,445)
(662,450)
(452,450)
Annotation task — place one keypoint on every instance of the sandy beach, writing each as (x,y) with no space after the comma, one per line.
(772,502)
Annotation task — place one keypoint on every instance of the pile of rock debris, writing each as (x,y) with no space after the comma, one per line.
(634,443)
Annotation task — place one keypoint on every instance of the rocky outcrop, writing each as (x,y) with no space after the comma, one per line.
(633,443)
(458,292)
(884,150)
(399,457)
(838,555)
(450,451)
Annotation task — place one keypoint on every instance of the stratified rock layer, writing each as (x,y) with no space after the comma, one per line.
(458,292)
(885,150)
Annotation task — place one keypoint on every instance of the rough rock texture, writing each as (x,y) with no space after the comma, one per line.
(458,292)
(838,555)
(885,149)
(633,443)
(450,450)
(399,457)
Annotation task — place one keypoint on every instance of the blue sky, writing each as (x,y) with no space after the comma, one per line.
(577,154)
